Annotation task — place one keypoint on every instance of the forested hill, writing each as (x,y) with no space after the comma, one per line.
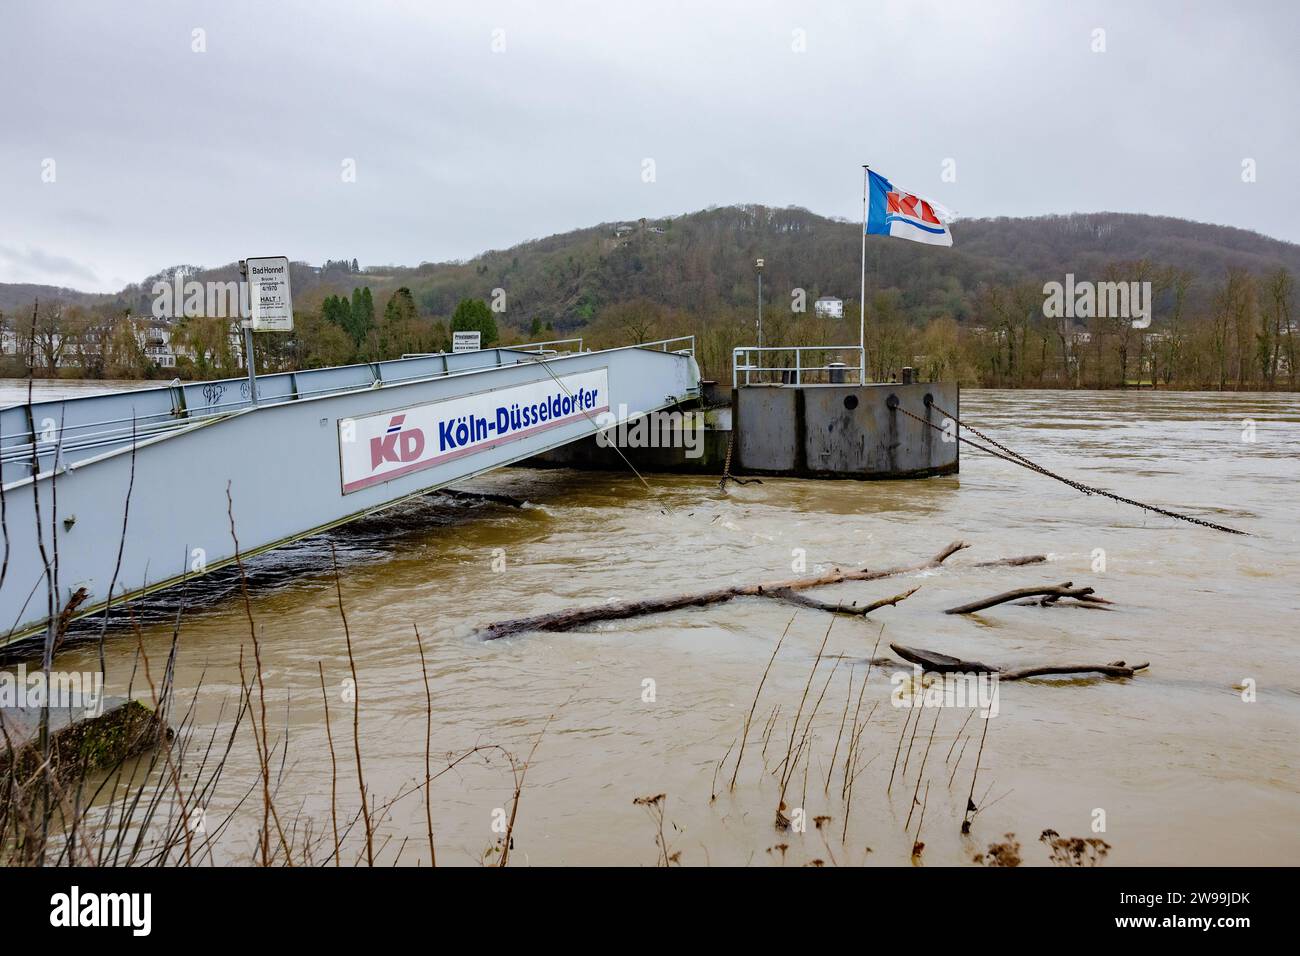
(18,296)
(703,264)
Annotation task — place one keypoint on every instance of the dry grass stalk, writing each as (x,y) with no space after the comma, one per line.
(740,755)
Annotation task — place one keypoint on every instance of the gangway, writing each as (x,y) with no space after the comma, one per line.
(319,448)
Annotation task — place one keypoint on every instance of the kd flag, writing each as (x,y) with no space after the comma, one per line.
(893,212)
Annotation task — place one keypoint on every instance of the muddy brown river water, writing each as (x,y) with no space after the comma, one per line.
(1176,765)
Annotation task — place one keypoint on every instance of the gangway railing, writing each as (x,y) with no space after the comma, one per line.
(538,348)
(663,345)
(159,410)
(751,364)
(49,433)
(545,348)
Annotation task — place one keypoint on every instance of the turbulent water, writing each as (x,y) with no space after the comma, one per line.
(1174,763)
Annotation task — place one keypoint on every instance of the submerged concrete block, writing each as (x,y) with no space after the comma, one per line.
(844,431)
(811,431)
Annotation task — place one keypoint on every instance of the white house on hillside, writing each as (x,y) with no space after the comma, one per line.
(829,307)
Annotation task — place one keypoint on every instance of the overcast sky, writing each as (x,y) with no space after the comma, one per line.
(163,155)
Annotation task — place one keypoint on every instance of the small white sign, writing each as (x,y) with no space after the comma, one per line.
(466,341)
(268,294)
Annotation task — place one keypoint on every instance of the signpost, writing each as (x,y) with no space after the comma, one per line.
(268,294)
(270,304)
(466,341)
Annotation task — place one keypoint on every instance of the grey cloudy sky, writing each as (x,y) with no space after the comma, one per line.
(164,155)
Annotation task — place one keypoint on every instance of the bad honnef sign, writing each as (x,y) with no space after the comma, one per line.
(269,297)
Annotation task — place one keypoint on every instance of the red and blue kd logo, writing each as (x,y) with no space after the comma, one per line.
(397,444)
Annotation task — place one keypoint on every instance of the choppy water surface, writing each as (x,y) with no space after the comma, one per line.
(1184,770)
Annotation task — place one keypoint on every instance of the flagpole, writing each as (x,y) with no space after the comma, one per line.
(862,297)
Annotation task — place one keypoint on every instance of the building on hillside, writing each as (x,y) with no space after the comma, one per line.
(86,347)
(829,307)
(155,338)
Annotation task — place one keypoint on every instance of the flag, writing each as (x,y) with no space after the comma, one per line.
(893,212)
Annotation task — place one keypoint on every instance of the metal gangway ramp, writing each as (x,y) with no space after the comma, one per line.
(319,449)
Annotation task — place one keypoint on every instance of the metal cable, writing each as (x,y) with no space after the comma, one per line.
(1006,454)
(595,424)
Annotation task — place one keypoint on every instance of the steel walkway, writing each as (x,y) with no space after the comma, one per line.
(321,448)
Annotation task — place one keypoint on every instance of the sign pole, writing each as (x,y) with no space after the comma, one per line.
(862,297)
(248,340)
(270,304)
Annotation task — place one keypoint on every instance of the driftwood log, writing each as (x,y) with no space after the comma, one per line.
(802,600)
(567,620)
(934,662)
(1050,594)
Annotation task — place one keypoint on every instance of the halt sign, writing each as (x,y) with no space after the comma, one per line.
(466,341)
(268,294)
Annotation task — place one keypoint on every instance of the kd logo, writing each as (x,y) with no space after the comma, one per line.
(396,445)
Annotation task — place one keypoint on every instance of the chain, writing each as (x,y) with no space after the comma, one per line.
(1006,454)
(726,467)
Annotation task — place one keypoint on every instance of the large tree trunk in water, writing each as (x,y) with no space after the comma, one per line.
(567,620)
(936,663)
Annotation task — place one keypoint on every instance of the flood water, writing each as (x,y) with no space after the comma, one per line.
(1181,768)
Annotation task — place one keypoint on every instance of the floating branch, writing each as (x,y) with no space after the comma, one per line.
(571,618)
(1113,669)
(1050,594)
(802,600)
(938,663)
(1012,562)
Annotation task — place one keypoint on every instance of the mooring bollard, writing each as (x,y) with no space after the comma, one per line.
(909,376)
(836,371)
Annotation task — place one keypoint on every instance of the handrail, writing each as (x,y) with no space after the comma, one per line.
(689,350)
(744,360)
(16,447)
(71,437)
(540,347)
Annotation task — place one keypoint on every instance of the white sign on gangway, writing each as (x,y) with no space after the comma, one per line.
(268,294)
(466,341)
(387,445)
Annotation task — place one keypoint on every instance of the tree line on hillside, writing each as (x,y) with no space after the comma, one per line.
(1223,301)
(54,339)
(1243,338)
